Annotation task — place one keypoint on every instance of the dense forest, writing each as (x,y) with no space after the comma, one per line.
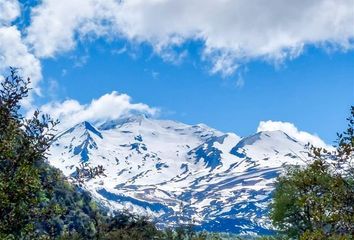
(37,202)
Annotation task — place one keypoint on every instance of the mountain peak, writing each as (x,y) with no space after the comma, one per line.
(84,126)
(264,135)
(89,127)
(111,124)
(276,134)
(161,163)
(265,139)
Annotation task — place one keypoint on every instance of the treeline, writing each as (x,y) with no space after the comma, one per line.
(312,202)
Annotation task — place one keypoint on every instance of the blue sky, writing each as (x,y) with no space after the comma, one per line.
(191,77)
(313,91)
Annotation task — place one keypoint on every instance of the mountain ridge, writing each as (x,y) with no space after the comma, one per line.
(179,173)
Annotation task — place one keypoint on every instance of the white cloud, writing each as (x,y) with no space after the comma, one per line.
(107,107)
(9,11)
(232,31)
(56,25)
(293,132)
(13,52)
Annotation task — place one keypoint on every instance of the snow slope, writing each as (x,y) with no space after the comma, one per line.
(180,173)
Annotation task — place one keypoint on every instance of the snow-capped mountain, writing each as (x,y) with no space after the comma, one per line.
(180,173)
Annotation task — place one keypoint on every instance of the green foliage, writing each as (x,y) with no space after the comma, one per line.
(126,226)
(319,235)
(316,201)
(277,237)
(188,233)
(74,210)
(23,144)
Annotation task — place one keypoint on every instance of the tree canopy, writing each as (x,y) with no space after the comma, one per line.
(317,201)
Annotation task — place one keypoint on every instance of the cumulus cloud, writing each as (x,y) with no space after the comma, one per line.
(108,107)
(292,131)
(10,10)
(232,31)
(57,25)
(13,52)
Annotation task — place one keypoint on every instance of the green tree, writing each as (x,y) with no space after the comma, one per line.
(317,201)
(23,145)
